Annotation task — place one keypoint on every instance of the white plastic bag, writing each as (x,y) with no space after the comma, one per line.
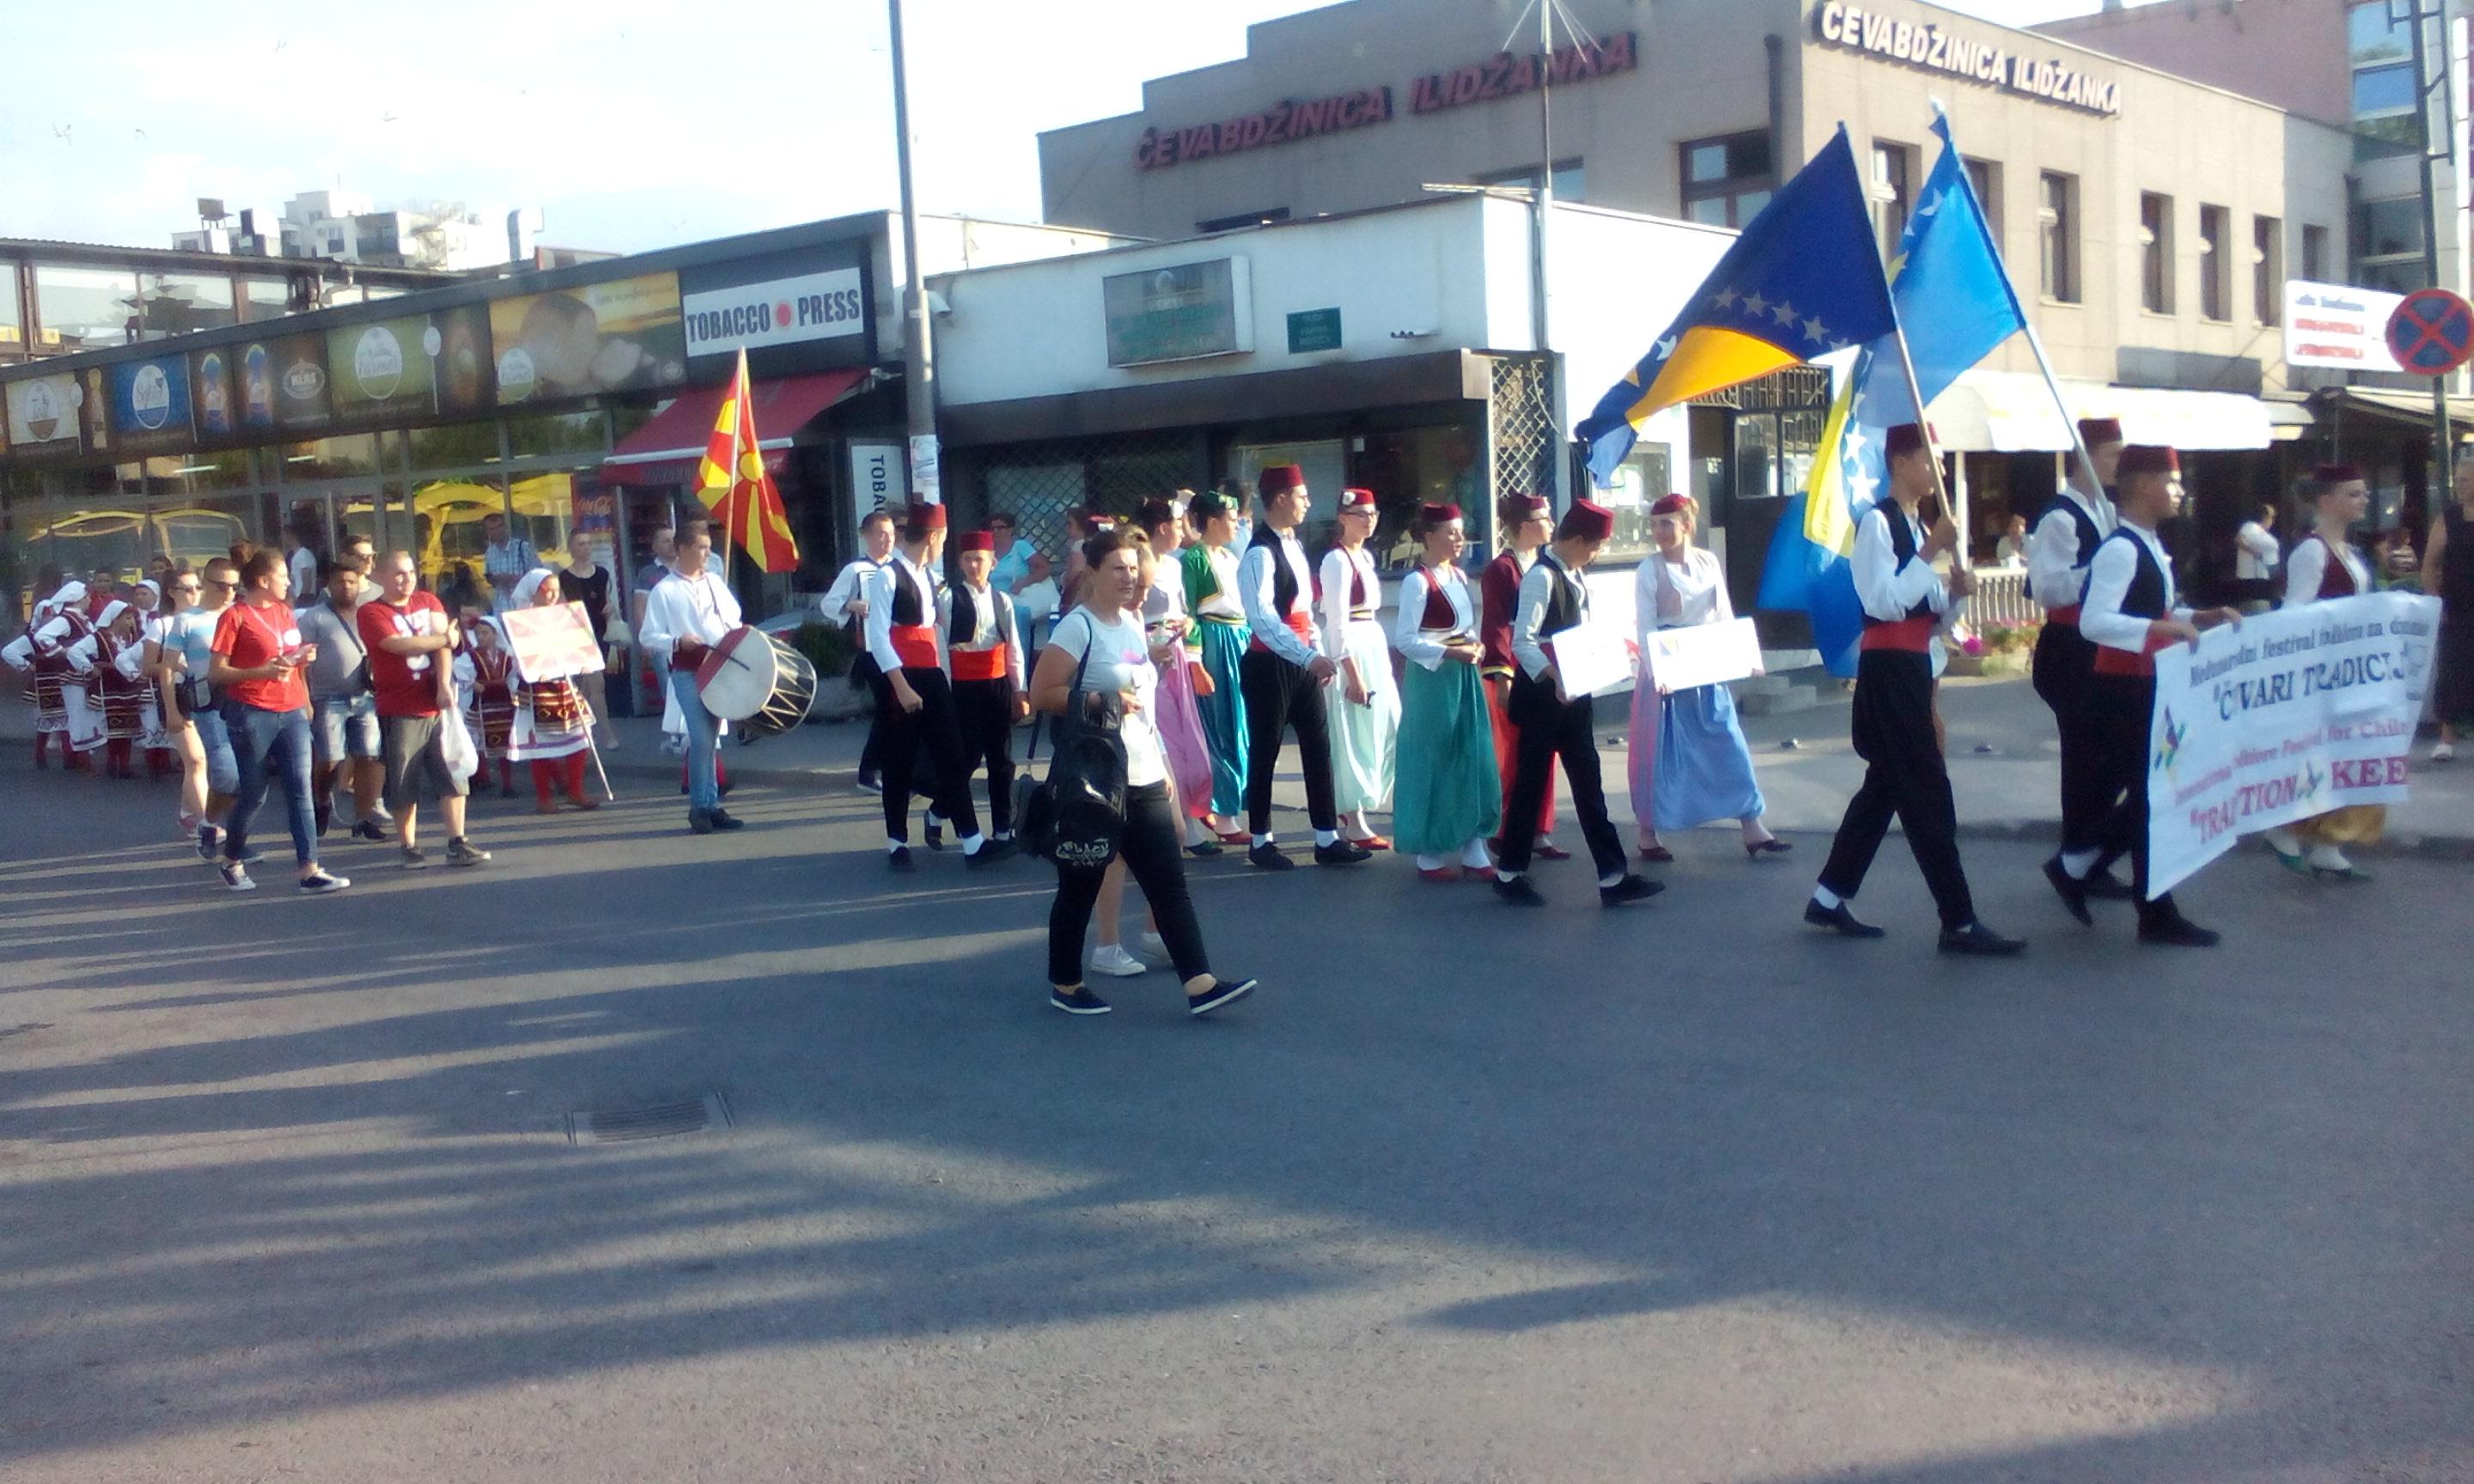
(456,741)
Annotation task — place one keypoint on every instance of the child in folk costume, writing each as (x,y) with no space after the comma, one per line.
(43,667)
(2129,611)
(1525,521)
(1363,705)
(2326,565)
(1448,797)
(550,727)
(1689,761)
(147,598)
(491,705)
(1182,677)
(984,656)
(1217,644)
(117,653)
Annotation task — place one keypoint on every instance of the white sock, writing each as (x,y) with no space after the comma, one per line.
(1473,855)
(1262,839)
(1326,837)
(892,845)
(1503,875)
(1613,880)
(934,823)
(1828,898)
(2078,863)
(2285,841)
(1430,863)
(972,843)
(2327,857)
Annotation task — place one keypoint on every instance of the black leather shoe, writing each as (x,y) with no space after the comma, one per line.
(700,820)
(1518,892)
(722,820)
(1630,889)
(1977,941)
(989,853)
(1268,858)
(2176,932)
(1340,853)
(2105,886)
(1838,919)
(935,834)
(899,861)
(2072,891)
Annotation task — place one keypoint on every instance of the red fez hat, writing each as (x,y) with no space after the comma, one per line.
(978,540)
(1357,501)
(1534,504)
(925,517)
(1672,505)
(1905,439)
(2096,431)
(1278,477)
(1590,520)
(2337,474)
(2148,458)
(1437,514)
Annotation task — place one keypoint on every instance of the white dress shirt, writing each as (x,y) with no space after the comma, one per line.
(1886,588)
(1337,564)
(2056,567)
(1671,595)
(2308,563)
(849,586)
(994,609)
(900,570)
(1410,635)
(1528,645)
(2101,620)
(1271,628)
(681,607)
(2255,553)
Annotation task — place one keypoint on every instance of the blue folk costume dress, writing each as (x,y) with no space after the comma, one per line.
(1217,639)
(1446,791)
(1689,762)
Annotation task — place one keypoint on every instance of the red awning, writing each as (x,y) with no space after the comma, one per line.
(666,450)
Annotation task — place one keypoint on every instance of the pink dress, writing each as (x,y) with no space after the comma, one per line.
(1180,723)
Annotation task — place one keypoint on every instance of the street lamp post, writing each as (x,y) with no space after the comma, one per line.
(918,353)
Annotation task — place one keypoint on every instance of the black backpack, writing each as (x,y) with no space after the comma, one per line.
(1077,814)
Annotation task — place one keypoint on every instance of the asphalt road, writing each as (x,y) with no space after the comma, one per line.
(1680,1192)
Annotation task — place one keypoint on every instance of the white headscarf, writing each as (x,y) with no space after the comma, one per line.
(530,587)
(69,595)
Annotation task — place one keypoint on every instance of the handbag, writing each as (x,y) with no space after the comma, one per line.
(1076,816)
(455,743)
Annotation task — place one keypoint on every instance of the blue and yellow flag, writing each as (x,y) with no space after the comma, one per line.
(1955,305)
(1803,280)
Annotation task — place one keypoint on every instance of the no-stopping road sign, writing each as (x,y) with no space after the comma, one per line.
(2432,333)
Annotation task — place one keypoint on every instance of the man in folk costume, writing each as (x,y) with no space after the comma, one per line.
(845,603)
(688,612)
(2060,545)
(1555,600)
(1526,523)
(1906,601)
(1283,674)
(2129,613)
(1365,704)
(990,694)
(902,636)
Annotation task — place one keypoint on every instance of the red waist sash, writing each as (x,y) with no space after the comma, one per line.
(915,646)
(2110,660)
(1301,624)
(2063,615)
(981,665)
(1913,636)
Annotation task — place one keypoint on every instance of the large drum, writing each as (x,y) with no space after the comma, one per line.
(755,680)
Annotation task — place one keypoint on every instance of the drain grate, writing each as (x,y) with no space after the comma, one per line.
(650,1120)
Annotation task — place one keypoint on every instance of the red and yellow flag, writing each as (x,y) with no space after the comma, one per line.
(735,485)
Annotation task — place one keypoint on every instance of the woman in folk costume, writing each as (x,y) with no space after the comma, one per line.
(114,654)
(1522,522)
(147,598)
(1448,798)
(2325,565)
(1217,644)
(491,707)
(1181,675)
(1365,705)
(67,638)
(551,727)
(1689,761)
(40,658)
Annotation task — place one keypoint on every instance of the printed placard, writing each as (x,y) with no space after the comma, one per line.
(551,642)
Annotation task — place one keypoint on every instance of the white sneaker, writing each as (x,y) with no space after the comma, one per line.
(2445,752)
(1111,959)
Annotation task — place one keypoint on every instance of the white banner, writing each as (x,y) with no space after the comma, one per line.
(776,312)
(1697,655)
(2284,716)
(2334,325)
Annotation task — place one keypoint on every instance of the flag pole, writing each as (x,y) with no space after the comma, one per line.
(1923,428)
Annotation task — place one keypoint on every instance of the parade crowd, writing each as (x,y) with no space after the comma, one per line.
(1205,636)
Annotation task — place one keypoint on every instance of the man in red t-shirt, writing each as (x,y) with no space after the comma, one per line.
(257,668)
(412,648)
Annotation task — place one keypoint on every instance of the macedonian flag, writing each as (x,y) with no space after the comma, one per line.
(735,485)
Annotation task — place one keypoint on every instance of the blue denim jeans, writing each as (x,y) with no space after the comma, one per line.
(273,750)
(223,771)
(704,734)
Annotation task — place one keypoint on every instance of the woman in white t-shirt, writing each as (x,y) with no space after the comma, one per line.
(1108,628)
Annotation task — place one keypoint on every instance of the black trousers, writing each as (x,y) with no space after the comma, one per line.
(2063,672)
(983,713)
(1549,729)
(1280,696)
(2123,704)
(931,731)
(1904,777)
(1153,857)
(871,752)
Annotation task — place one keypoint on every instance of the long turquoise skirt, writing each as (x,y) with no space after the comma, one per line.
(1445,790)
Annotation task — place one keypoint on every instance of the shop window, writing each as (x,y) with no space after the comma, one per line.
(1646,476)
(447,540)
(1984,177)
(1727,179)
(2057,236)
(2389,228)
(2267,269)
(12,322)
(177,303)
(1570,181)
(84,306)
(2315,252)
(341,457)
(1894,193)
(2216,263)
(1327,468)
(557,433)
(1413,466)
(2155,252)
(264,299)
(455,445)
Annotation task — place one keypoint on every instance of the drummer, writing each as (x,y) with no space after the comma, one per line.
(902,637)
(687,612)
